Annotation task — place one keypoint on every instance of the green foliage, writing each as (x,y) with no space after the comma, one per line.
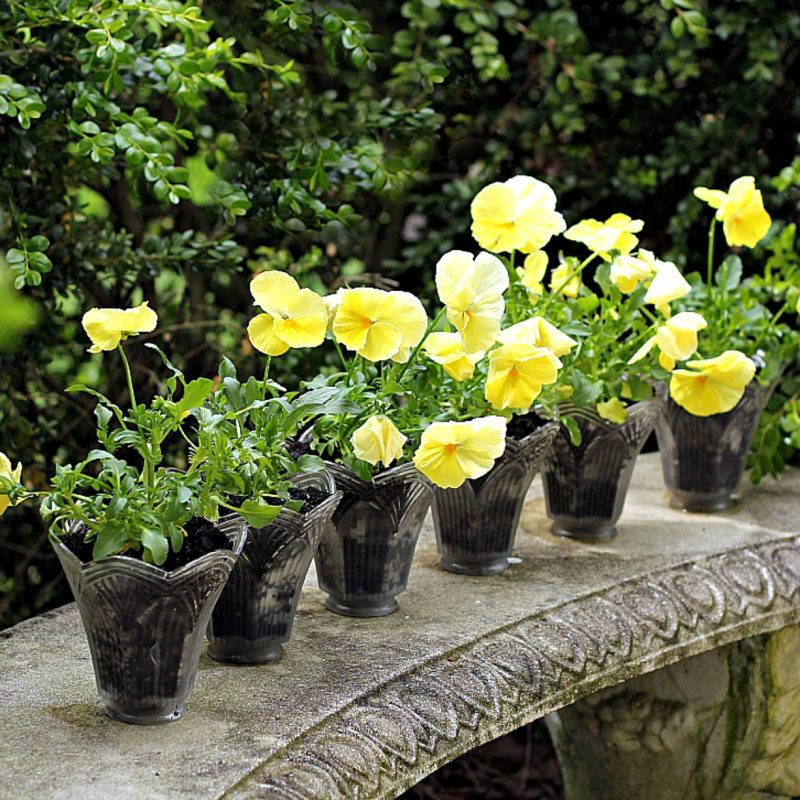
(124,507)
(243,433)
(359,132)
(19,314)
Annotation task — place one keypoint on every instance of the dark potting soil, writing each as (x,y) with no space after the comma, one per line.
(297,449)
(310,495)
(202,537)
(524,425)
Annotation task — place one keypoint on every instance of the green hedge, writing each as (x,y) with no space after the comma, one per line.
(153,149)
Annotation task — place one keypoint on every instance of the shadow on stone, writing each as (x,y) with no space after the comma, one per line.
(520,765)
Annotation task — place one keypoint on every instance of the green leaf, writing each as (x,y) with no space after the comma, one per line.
(226,368)
(361,468)
(586,391)
(729,274)
(258,514)
(110,541)
(97,36)
(310,463)
(103,415)
(38,243)
(577,328)
(573,430)
(156,547)
(194,395)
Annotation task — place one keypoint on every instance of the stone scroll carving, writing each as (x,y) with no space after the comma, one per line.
(392,736)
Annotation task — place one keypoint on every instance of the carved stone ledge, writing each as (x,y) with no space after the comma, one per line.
(366,708)
(399,732)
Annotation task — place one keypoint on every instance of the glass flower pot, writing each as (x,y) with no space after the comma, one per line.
(476,524)
(365,554)
(145,625)
(585,485)
(703,458)
(254,614)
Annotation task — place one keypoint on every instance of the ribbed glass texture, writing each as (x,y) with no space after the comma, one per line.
(254,615)
(476,524)
(585,485)
(703,458)
(145,625)
(365,554)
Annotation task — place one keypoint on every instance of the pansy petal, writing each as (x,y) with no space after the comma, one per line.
(306,320)
(261,331)
(272,290)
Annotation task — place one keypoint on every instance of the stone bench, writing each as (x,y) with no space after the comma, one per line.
(365,708)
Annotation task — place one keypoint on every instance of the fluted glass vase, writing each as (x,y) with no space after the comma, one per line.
(145,625)
(585,485)
(703,458)
(476,524)
(254,615)
(364,558)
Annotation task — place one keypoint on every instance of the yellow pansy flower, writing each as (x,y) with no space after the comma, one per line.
(616,233)
(540,333)
(447,349)
(293,317)
(712,385)
(472,290)
(517,373)
(518,214)
(378,441)
(531,273)
(612,410)
(9,474)
(745,221)
(676,339)
(453,452)
(107,327)
(559,275)
(627,272)
(378,324)
(667,285)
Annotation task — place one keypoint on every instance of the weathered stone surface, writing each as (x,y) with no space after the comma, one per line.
(364,708)
(722,725)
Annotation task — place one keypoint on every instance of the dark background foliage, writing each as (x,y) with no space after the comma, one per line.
(163,150)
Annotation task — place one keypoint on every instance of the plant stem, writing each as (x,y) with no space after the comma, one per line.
(574,273)
(128,377)
(770,326)
(710,255)
(431,325)
(341,356)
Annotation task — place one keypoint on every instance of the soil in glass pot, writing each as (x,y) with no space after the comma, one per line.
(145,624)
(585,485)
(476,524)
(253,617)
(703,458)
(364,558)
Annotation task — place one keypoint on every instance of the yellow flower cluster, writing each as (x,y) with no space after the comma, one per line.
(713,385)
(449,452)
(518,215)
